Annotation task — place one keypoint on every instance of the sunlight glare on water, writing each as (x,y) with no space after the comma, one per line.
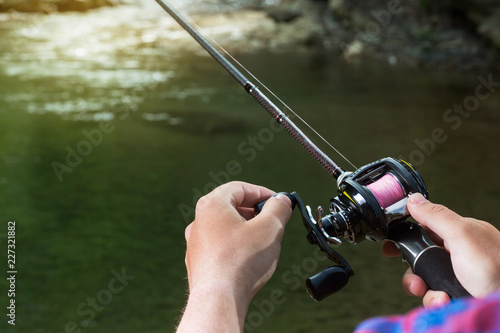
(109,51)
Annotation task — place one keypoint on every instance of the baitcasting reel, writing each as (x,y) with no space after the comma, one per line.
(371,204)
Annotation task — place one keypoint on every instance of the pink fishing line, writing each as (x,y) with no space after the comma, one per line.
(387,190)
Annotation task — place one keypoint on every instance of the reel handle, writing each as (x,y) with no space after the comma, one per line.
(426,259)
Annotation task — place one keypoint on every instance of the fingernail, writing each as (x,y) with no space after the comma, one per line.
(417,198)
(285,199)
(436,302)
(411,289)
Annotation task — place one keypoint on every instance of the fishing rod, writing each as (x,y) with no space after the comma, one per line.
(255,92)
(370,204)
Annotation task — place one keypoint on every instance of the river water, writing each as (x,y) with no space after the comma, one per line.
(110,131)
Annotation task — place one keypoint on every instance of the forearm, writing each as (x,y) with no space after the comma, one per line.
(213,309)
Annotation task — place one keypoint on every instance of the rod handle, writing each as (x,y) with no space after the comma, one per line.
(435,268)
(429,261)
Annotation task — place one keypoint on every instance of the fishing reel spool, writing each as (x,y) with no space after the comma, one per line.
(369,200)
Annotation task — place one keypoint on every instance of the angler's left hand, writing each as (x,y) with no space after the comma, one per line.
(230,253)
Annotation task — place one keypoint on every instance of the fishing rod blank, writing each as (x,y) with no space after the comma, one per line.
(254,91)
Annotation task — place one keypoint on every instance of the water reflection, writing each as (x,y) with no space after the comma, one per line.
(108,52)
(177,120)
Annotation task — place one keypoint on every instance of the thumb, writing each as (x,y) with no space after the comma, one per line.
(277,208)
(438,218)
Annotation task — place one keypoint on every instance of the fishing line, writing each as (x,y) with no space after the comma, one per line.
(283,103)
(387,190)
(208,36)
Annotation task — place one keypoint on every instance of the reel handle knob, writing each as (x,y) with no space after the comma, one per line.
(327,282)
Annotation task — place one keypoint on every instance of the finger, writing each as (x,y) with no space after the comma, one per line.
(241,194)
(187,232)
(413,284)
(438,218)
(390,249)
(278,208)
(252,195)
(246,213)
(435,298)
(233,194)
(187,235)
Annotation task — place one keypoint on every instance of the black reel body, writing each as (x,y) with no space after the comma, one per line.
(371,204)
(357,214)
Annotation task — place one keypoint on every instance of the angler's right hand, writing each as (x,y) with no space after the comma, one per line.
(474,247)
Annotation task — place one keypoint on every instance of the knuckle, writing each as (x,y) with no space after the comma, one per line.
(203,203)
(187,232)
(229,186)
(441,213)
(487,227)
(437,209)
(279,207)
(464,227)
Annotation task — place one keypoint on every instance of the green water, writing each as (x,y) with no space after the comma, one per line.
(163,128)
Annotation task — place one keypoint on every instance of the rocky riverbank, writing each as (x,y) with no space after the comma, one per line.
(51,6)
(459,34)
(462,34)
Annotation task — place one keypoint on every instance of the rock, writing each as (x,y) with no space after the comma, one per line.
(476,7)
(82,5)
(490,28)
(287,11)
(353,49)
(284,15)
(339,8)
(28,6)
(485,14)
(49,6)
(335,5)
